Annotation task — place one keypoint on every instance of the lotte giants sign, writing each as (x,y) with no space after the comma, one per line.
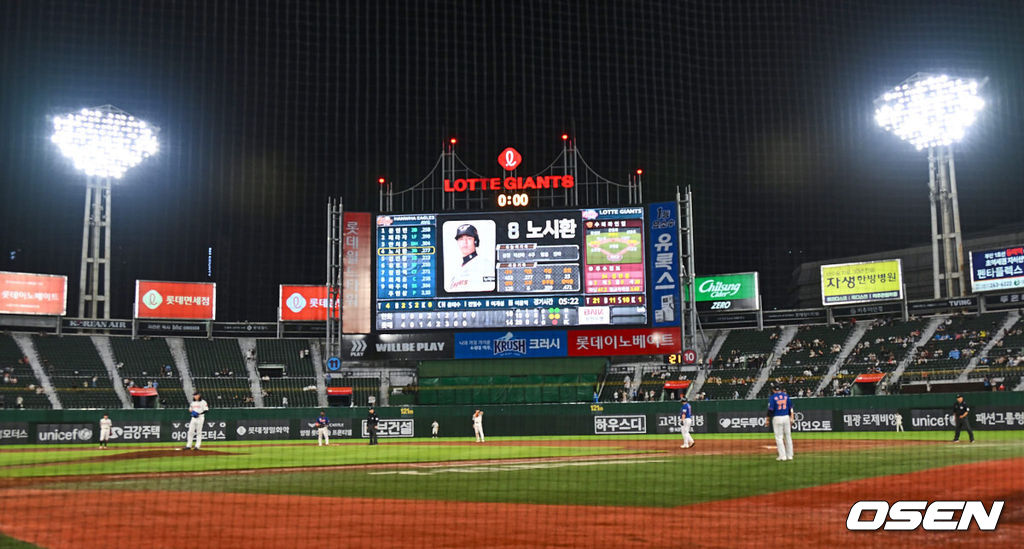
(33,294)
(177,300)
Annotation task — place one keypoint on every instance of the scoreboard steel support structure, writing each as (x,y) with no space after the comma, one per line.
(459,251)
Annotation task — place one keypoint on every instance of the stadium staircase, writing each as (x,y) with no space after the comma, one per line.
(1009,322)
(716,346)
(848,346)
(248,347)
(28,350)
(926,336)
(177,346)
(102,344)
(785,337)
(29,379)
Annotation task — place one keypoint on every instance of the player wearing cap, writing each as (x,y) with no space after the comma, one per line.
(686,423)
(105,425)
(780,416)
(960,412)
(478,425)
(472,274)
(322,428)
(197,415)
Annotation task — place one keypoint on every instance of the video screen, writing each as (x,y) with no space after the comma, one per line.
(511,269)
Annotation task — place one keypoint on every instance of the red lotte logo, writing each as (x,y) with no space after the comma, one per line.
(911,515)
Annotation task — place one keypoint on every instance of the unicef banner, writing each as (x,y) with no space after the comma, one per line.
(664,258)
(65,433)
(548,343)
(728,292)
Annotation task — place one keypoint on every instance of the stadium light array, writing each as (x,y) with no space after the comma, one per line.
(104,142)
(930,110)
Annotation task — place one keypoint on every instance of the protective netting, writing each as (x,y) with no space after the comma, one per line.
(764,108)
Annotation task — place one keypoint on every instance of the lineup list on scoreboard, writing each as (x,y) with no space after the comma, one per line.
(504,270)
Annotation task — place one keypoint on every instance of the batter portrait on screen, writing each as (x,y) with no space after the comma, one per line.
(469,256)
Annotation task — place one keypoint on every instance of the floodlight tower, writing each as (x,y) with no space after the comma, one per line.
(933,112)
(103,143)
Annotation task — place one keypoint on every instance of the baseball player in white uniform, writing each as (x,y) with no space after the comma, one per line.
(780,418)
(898,420)
(433,429)
(197,411)
(478,425)
(105,426)
(472,275)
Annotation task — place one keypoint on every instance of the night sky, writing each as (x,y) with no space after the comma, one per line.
(267,108)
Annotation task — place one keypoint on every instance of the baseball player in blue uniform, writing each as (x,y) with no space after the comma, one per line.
(322,434)
(686,423)
(780,415)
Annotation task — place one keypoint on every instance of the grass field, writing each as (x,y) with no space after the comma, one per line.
(642,473)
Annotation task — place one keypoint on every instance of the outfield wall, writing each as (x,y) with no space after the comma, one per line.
(990,411)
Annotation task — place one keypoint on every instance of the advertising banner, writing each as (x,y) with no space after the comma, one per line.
(1005,301)
(392,428)
(115,326)
(669,424)
(212,430)
(547,343)
(936,305)
(1001,269)
(999,419)
(620,425)
(175,300)
(33,294)
(65,433)
(870,420)
(795,316)
(339,428)
(664,260)
(741,422)
(262,429)
(398,346)
(133,431)
(728,292)
(812,420)
(932,419)
(302,303)
(862,282)
(172,328)
(637,341)
(357,237)
(14,433)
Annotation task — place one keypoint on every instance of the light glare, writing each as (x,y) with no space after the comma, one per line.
(930,111)
(103,142)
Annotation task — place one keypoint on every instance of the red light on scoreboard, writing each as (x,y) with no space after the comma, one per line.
(381,181)
(565,137)
(453,141)
(639,171)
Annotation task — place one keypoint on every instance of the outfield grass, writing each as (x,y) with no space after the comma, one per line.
(653,479)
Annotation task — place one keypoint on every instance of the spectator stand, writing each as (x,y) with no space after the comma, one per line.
(806,359)
(20,388)
(218,371)
(1002,363)
(879,351)
(286,372)
(957,339)
(146,362)
(76,371)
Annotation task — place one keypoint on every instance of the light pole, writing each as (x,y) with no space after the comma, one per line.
(103,143)
(932,112)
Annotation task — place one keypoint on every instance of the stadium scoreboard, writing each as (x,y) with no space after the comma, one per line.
(511,269)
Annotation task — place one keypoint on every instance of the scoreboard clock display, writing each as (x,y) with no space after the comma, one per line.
(511,269)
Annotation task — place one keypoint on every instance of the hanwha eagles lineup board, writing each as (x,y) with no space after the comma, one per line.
(514,269)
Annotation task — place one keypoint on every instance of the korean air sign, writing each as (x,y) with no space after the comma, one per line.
(511,344)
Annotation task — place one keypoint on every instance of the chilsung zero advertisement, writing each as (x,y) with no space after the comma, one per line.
(175,300)
(728,292)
